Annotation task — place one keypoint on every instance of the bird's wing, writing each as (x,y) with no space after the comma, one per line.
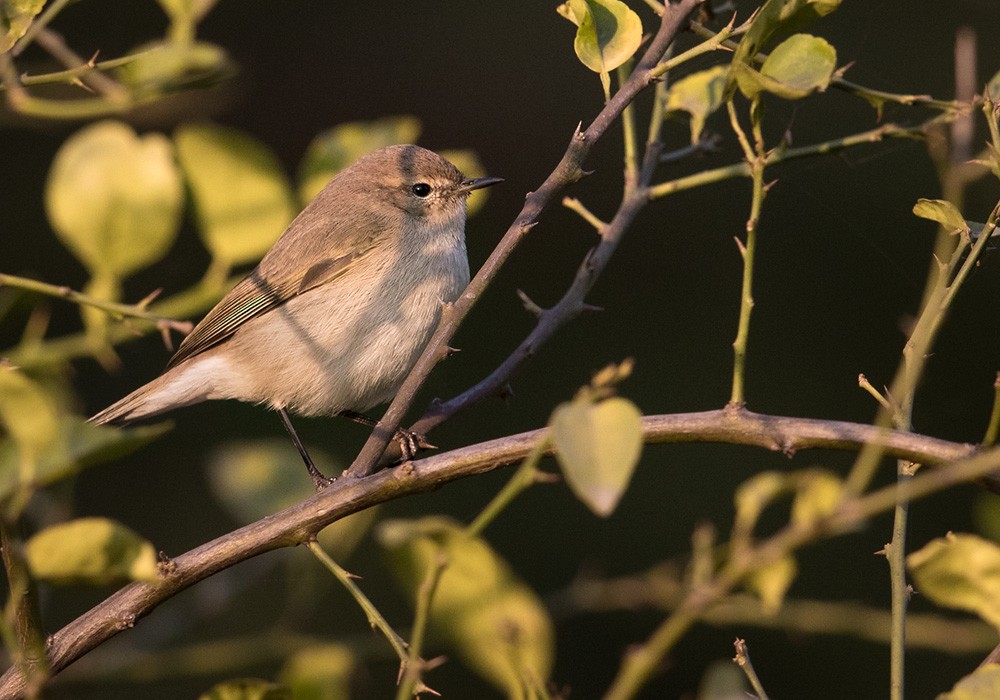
(254,296)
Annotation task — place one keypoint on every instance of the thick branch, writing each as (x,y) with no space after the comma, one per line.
(297,524)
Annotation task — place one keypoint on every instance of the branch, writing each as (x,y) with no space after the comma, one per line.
(568,170)
(298,524)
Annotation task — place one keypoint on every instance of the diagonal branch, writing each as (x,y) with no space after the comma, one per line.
(568,170)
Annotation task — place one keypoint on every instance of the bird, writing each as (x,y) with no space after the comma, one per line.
(337,312)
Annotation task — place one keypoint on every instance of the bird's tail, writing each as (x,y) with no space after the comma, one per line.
(168,391)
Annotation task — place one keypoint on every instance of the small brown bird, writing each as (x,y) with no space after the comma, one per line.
(338,311)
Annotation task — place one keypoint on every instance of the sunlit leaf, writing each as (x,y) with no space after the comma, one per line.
(960,571)
(608,33)
(467,161)
(15,18)
(93,551)
(754,495)
(777,18)
(598,446)
(981,684)
(771,582)
(27,414)
(817,496)
(490,618)
(799,66)
(115,198)
(943,212)
(247,689)
(242,198)
(166,66)
(699,94)
(257,478)
(335,149)
(319,672)
(184,10)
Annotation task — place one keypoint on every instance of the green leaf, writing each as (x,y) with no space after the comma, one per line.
(754,495)
(699,94)
(242,198)
(335,149)
(771,582)
(467,161)
(163,67)
(93,551)
(944,213)
(608,33)
(799,66)
(960,571)
(817,496)
(256,478)
(27,414)
(115,198)
(779,18)
(481,609)
(246,689)
(981,684)
(15,18)
(598,447)
(79,445)
(321,672)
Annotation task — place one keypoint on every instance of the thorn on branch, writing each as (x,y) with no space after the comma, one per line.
(531,306)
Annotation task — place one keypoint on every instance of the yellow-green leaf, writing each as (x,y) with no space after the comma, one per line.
(15,18)
(27,413)
(754,495)
(960,571)
(598,446)
(246,689)
(321,672)
(115,198)
(92,551)
(779,18)
(799,66)
(981,684)
(165,66)
(256,478)
(242,198)
(817,496)
(771,582)
(335,149)
(608,32)
(944,213)
(699,94)
(490,618)
(467,161)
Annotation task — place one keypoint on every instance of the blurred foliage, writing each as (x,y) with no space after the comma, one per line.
(116,200)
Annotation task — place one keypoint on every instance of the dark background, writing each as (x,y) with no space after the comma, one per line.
(842,262)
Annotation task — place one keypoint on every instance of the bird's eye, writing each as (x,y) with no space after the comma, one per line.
(421,189)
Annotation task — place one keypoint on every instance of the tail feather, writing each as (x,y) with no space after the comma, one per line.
(177,387)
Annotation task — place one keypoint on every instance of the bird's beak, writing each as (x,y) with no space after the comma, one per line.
(477,183)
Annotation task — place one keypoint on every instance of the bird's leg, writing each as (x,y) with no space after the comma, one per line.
(409,442)
(319,481)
